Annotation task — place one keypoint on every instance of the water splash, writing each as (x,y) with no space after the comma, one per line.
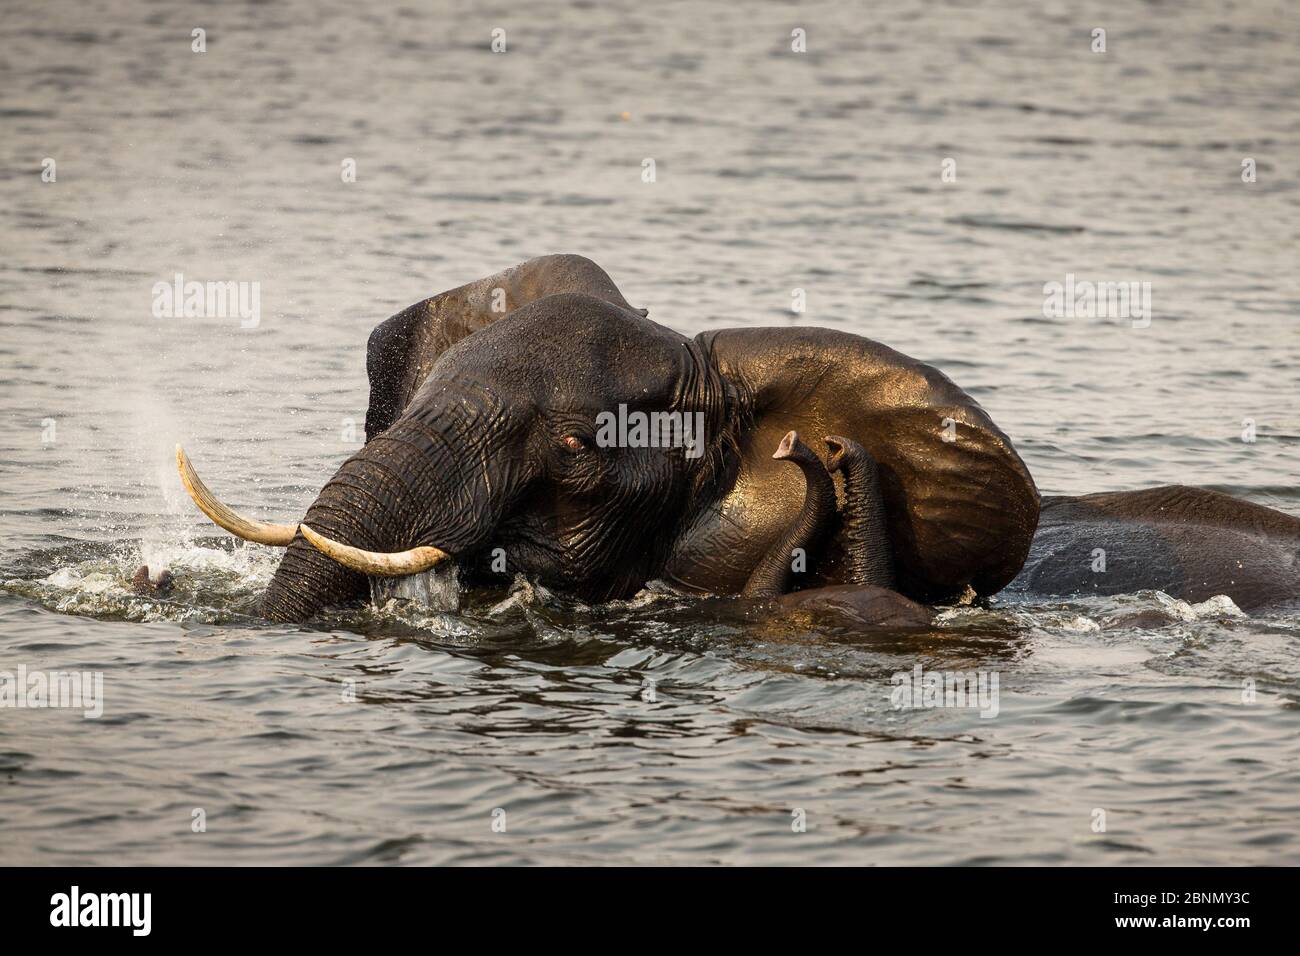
(214,581)
(437,589)
(1215,607)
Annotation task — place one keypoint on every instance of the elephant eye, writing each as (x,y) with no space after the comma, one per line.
(574,443)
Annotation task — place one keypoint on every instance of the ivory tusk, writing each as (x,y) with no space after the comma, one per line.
(259,531)
(377,563)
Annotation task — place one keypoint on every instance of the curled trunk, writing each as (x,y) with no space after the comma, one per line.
(771,577)
(868,559)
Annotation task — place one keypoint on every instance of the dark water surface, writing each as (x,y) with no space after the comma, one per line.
(392,735)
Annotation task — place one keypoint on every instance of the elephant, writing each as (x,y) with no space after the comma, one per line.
(489,435)
(1191,543)
(867,597)
(772,575)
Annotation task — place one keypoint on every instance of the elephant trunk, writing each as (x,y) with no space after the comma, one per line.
(865,532)
(408,487)
(307,580)
(772,575)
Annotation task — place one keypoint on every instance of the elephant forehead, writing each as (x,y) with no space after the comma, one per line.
(573,349)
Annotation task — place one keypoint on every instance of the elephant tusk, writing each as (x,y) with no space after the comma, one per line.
(259,531)
(381,564)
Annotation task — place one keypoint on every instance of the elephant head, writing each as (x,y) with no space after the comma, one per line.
(524,429)
(501,447)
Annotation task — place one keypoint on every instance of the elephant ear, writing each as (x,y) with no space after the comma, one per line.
(403,349)
(960,505)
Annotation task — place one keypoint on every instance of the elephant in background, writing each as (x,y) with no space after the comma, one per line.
(483,433)
(1191,543)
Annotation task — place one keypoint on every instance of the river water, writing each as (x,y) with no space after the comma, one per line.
(528,729)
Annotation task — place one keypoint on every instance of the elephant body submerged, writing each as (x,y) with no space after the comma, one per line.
(481,435)
(1191,543)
